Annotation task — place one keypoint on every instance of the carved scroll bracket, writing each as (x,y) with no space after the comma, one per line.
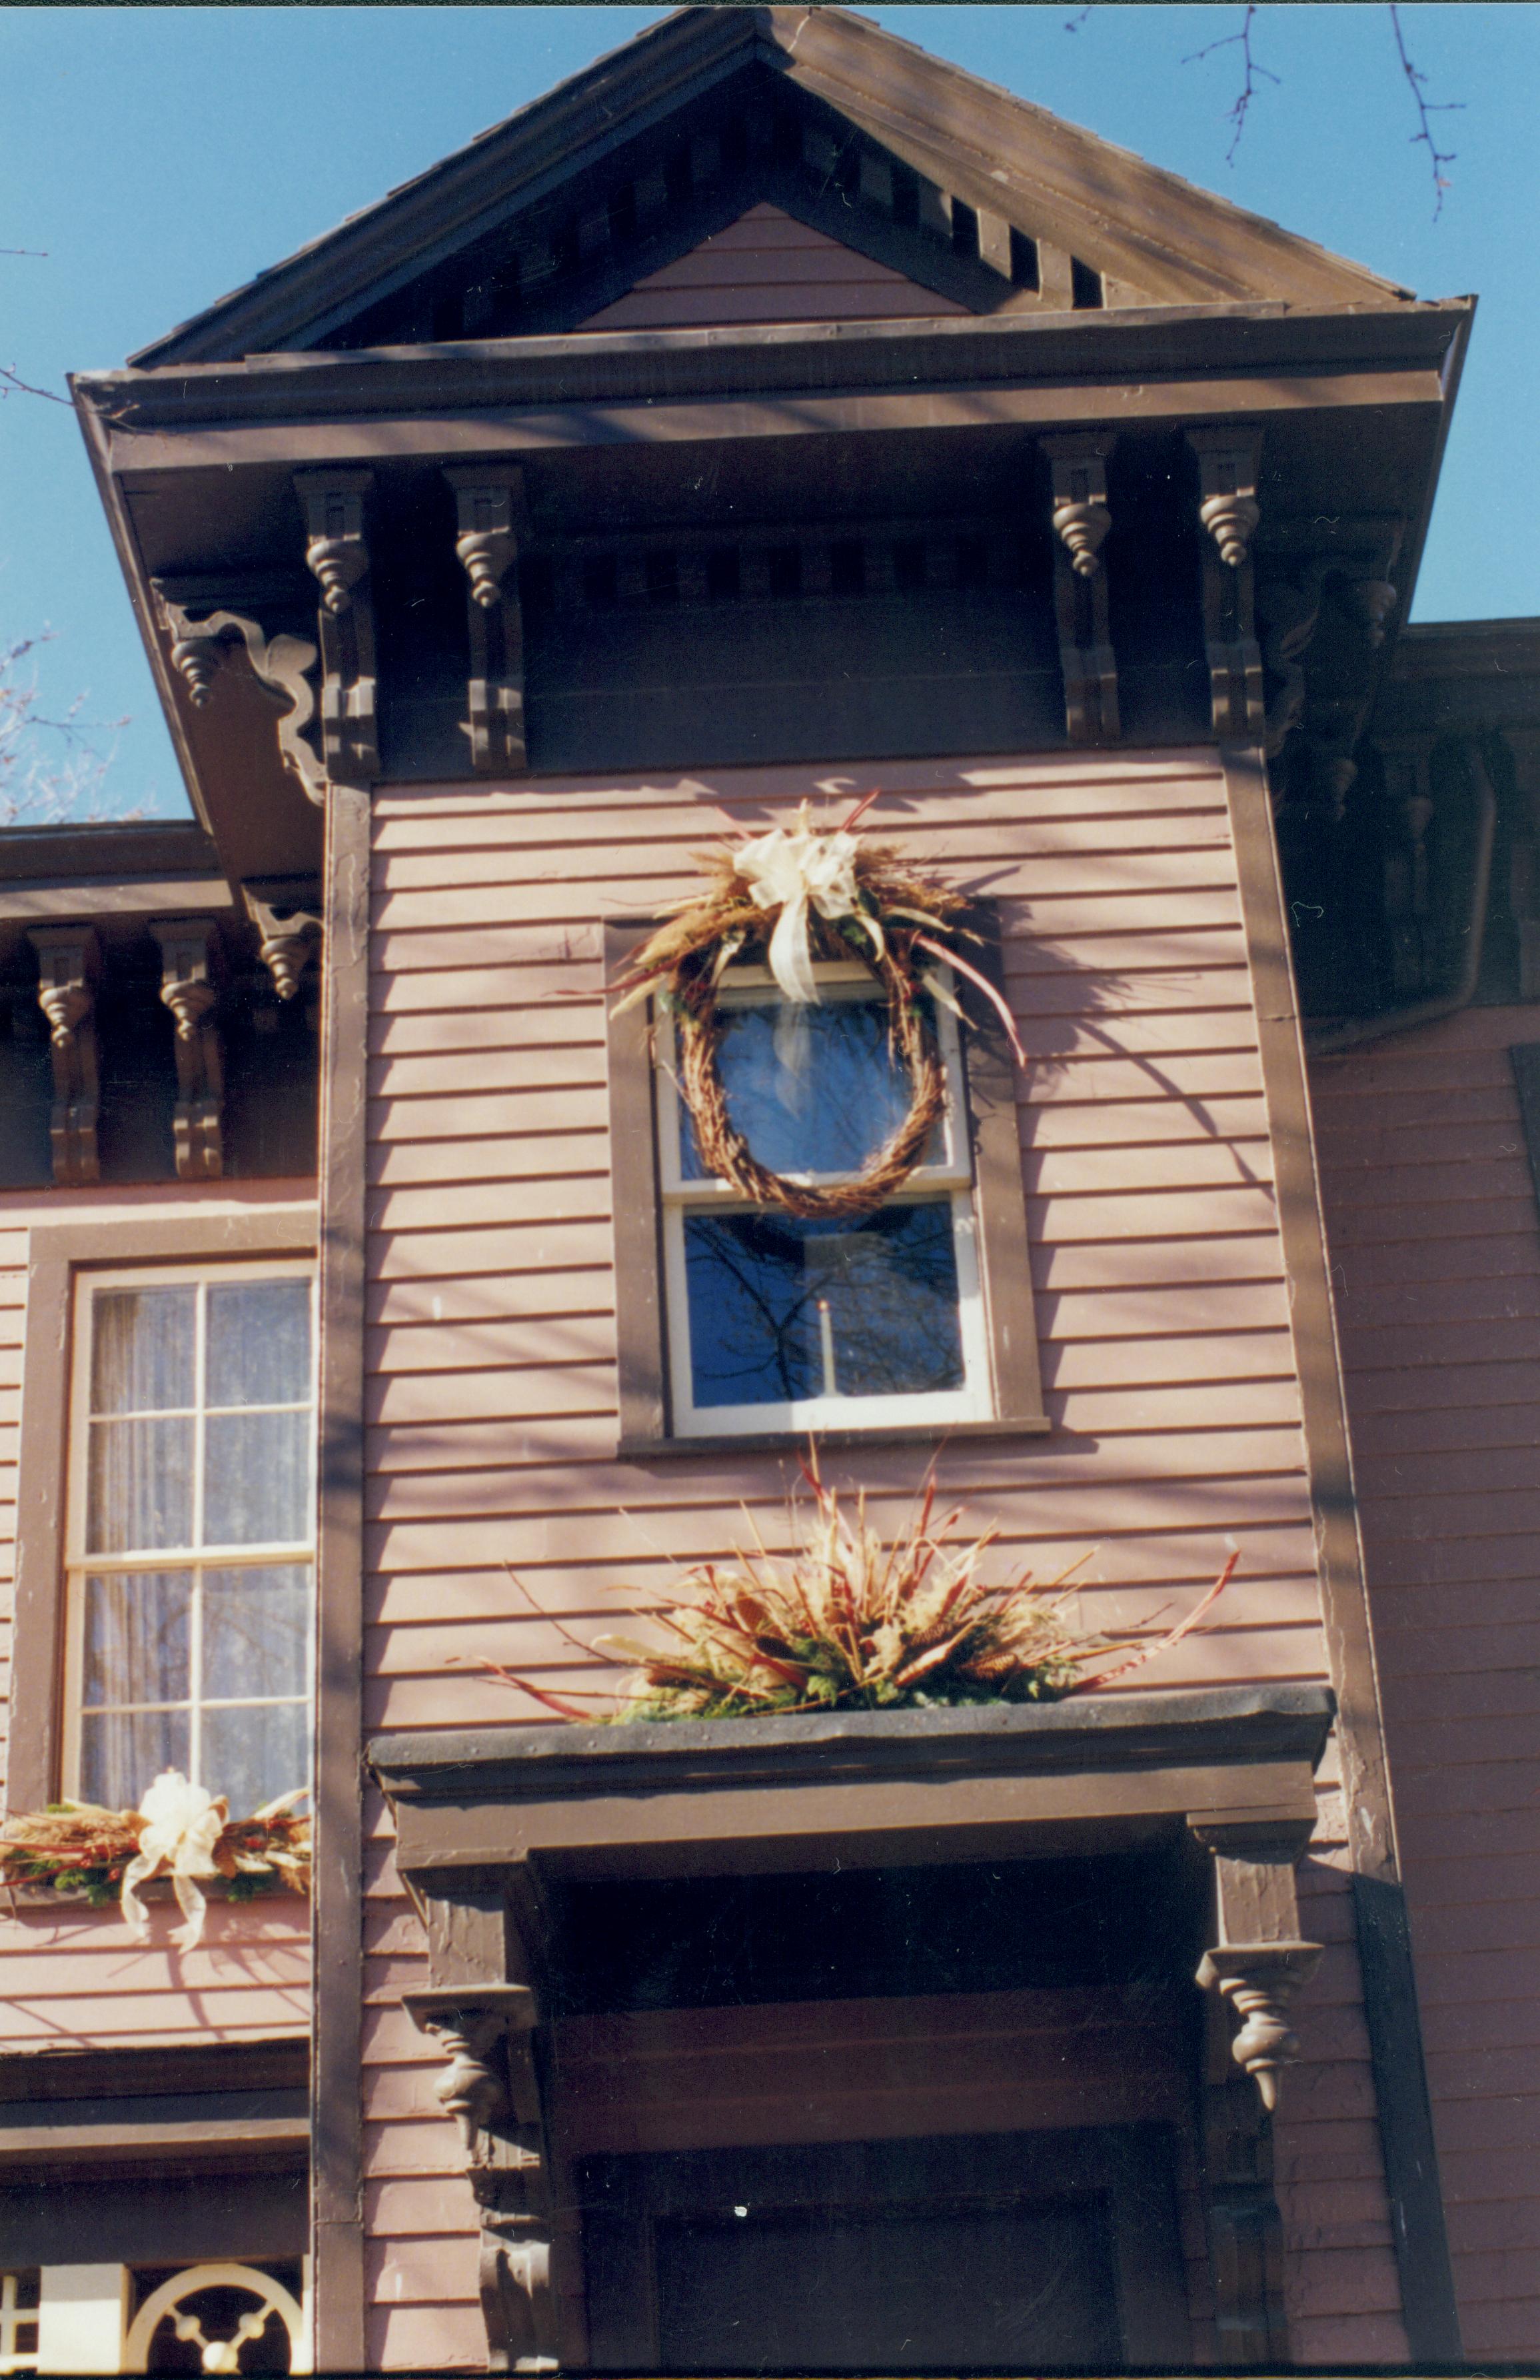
(289,926)
(69,970)
(1081,521)
(200,616)
(189,959)
(489,514)
(493,2091)
(336,506)
(1316,575)
(1230,515)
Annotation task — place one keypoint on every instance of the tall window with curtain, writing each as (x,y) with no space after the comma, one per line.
(190,1533)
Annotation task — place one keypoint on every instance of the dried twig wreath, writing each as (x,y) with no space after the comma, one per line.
(796,895)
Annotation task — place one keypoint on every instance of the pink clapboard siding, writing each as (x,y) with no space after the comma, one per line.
(767,267)
(490,1392)
(72,1976)
(1434,1239)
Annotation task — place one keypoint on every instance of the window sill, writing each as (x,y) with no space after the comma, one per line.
(157,1890)
(791,1441)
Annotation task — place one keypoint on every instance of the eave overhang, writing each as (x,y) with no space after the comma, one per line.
(195,463)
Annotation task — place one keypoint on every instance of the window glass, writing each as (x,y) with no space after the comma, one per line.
(138,1637)
(782,1310)
(142,1350)
(140,1491)
(812,1090)
(123,1751)
(259,1342)
(257,1478)
(256,1624)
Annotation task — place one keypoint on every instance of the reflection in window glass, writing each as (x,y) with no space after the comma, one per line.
(782,1310)
(812,1090)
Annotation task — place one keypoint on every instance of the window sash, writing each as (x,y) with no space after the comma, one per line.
(197,1562)
(972,1401)
(951,1174)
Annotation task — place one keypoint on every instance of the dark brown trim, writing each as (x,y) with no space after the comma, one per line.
(355,438)
(1390,2000)
(253,2140)
(108,852)
(999,1201)
(124,896)
(192,1234)
(178,2068)
(642,1358)
(337,2227)
(1526,1057)
(1000,1208)
(154,2217)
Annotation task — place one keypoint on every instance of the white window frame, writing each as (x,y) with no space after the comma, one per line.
(80,1563)
(951,1174)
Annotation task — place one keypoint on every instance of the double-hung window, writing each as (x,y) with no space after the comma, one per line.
(775,1323)
(191,1532)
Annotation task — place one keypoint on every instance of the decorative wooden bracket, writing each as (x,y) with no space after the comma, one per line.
(1259,1961)
(290,928)
(69,969)
(189,957)
(201,616)
(1416,941)
(492,2089)
(336,554)
(1230,514)
(1311,572)
(1080,520)
(488,510)
(1254,1970)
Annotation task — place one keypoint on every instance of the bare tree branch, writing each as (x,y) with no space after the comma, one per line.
(12,383)
(1417,84)
(50,771)
(1254,66)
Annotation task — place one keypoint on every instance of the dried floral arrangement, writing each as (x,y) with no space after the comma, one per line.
(178,1830)
(852,1621)
(793,896)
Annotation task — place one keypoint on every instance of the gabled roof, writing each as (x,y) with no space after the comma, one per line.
(978,199)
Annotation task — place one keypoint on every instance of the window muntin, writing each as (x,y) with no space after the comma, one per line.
(191,1532)
(776,1323)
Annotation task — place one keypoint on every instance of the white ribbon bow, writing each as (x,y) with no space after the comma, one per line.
(788,868)
(186,1822)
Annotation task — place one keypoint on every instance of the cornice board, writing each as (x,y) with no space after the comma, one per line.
(1214,1725)
(1130,219)
(128,897)
(1148,405)
(109,849)
(1132,343)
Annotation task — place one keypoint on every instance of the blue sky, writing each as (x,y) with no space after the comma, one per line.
(161,156)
